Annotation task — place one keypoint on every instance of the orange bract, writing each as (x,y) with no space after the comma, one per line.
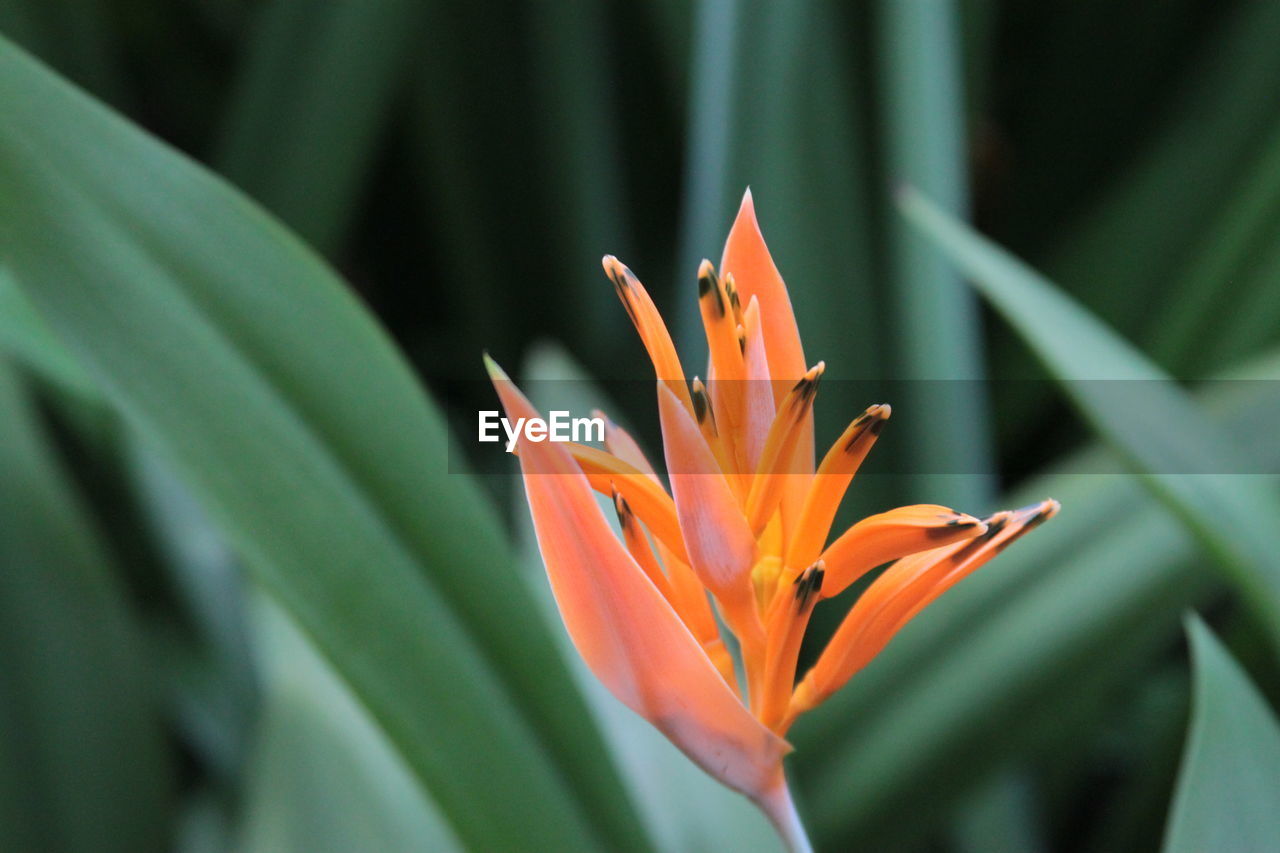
(746,526)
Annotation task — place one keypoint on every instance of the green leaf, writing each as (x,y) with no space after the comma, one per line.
(1024,652)
(937,332)
(25,337)
(84,765)
(311,100)
(579,145)
(1147,419)
(1131,243)
(324,778)
(1196,331)
(249,366)
(1230,776)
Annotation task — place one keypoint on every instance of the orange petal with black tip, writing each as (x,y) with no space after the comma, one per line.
(726,370)
(878,539)
(963,563)
(687,593)
(747,259)
(607,473)
(906,588)
(638,546)
(626,631)
(828,486)
(788,618)
(777,460)
(648,322)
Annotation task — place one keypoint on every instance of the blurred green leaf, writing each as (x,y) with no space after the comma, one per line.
(312,97)
(241,358)
(1149,421)
(1226,797)
(579,143)
(1124,250)
(1020,655)
(25,337)
(936,323)
(209,665)
(1196,330)
(324,777)
(84,765)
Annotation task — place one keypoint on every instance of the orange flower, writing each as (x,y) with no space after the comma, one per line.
(745,526)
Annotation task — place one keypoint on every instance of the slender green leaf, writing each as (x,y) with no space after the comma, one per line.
(1181,181)
(311,99)
(579,143)
(83,761)
(1196,330)
(303,433)
(324,777)
(937,333)
(1159,431)
(1019,653)
(1230,776)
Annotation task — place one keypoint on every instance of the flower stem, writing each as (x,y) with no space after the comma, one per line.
(781,811)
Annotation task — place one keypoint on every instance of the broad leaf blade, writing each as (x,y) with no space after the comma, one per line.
(324,779)
(242,359)
(1230,776)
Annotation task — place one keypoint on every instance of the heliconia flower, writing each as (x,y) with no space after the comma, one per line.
(745,529)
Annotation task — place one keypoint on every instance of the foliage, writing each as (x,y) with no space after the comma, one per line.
(252,595)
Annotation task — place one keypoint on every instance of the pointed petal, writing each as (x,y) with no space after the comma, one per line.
(759,408)
(720,545)
(891,535)
(747,259)
(721,548)
(906,588)
(788,619)
(829,484)
(627,633)
(705,414)
(688,596)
